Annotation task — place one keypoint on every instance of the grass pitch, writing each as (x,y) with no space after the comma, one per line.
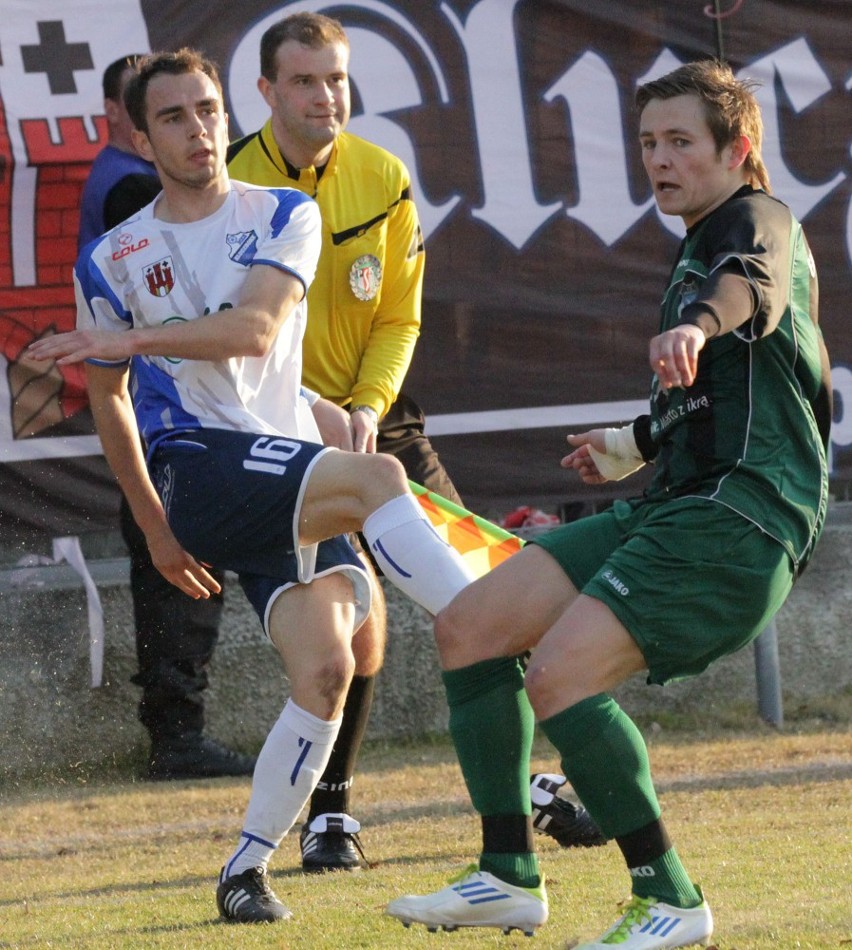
(762,820)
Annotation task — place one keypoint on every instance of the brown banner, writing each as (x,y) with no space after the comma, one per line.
(545,255)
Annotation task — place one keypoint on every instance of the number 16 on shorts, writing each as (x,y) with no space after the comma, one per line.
(270,454)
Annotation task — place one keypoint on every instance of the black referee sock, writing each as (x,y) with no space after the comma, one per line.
(331,796)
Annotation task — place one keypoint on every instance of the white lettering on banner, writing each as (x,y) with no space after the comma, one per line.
(488,38)
(489,42)
(804,81)
(605,205)
(373,60)
(590,93)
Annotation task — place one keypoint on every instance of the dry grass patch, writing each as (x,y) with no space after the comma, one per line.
(761,818)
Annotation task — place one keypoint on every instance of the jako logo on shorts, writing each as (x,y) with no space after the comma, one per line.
(610,578)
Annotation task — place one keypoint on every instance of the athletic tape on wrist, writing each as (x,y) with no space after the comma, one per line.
(622,456)
(621,443)
(612,468)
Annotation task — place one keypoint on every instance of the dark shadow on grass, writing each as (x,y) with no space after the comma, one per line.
(383,814)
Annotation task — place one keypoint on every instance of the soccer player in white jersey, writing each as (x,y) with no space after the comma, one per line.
(192,313)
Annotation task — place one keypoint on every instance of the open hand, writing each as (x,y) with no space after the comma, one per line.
(180,568)
(581,459)
(79,345)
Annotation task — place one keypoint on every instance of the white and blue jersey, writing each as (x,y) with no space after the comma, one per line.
(231,443)
(147,272)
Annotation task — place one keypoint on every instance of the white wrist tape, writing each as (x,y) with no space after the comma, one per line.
(622,456)
(621,443)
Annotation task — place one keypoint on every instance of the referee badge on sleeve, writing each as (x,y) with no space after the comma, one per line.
(365,276)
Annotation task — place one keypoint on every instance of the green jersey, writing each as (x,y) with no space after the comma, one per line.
(751,432)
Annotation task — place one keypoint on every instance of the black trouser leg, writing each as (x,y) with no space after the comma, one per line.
(401,433)
(175,638)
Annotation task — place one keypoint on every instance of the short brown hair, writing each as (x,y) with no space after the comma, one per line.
(730,107)
(185,60)
(310,29)
(113,74)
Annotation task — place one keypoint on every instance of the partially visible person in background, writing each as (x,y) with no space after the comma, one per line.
(120,181)
(175,634)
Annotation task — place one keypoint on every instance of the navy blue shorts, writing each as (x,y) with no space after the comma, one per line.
(233,499)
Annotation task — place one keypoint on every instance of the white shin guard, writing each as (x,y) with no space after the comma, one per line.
(413,556)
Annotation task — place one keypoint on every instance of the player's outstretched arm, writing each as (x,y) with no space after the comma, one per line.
(673,355)
(79,345)
(249,329)
(116,427)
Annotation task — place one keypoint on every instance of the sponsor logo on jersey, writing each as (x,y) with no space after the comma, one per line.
(160,277)
(127,246)
(365,276)
(242,247)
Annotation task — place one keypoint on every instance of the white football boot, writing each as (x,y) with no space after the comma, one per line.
(649,924)
(475,899)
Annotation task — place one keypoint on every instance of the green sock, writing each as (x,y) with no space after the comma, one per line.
(522,870)
(492,725)
(669,883)
(606,761)
(605,758)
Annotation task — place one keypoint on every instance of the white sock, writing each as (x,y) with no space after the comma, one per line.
(288,768)
(412,554)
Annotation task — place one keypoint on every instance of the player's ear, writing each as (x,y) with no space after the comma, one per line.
(142,144)
(112,110)
(265,88)
(739,148)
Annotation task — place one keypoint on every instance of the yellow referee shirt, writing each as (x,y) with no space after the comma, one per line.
(364,303)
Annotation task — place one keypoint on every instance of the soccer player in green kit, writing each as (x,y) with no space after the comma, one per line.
(740,409)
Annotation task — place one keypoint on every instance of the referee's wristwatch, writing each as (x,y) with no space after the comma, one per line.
(368,410)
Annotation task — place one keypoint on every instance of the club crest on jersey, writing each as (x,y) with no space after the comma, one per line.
(365,277)
(242,247)
(688,293)
(160,277)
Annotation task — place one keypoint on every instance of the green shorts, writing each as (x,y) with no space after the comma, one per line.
(690,579)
